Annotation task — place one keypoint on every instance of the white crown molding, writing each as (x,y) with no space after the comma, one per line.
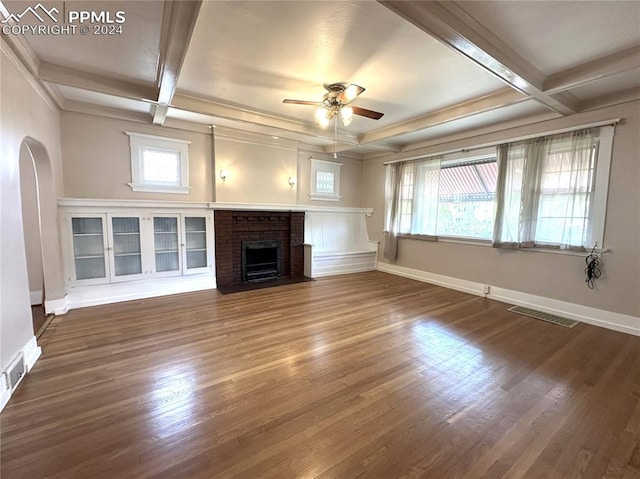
(597,317)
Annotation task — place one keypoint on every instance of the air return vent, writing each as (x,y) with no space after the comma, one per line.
(550,318)
(15,372)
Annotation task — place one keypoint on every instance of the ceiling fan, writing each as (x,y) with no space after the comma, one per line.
(337,101)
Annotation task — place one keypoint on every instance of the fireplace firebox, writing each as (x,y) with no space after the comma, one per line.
(260,261)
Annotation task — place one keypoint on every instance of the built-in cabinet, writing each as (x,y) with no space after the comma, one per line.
(116,247)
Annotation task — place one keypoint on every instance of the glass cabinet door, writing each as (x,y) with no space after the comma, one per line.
(166,244)
(127,255)
(196,242)
(89,248)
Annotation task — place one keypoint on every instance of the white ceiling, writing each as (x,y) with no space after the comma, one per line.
(435,69)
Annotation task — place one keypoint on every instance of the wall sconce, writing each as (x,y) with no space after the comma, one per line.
(223,175)
(291,181)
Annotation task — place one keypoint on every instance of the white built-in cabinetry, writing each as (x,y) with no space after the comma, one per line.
(115,247)
(117,250)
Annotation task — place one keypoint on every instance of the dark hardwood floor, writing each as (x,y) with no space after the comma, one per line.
(357,376)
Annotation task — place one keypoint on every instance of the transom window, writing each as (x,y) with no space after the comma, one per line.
(159,164)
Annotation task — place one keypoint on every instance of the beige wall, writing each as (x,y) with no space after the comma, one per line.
(97,160)
(350,179)
(549,275)
(25,115)
(258,169)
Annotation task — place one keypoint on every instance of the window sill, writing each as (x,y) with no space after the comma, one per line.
(325,198)
(487,244)
(181,190)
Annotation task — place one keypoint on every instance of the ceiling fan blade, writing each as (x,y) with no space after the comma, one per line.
(374,115)
(301,102)
(349,93)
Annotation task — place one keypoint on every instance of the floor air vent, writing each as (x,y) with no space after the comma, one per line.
(550,318)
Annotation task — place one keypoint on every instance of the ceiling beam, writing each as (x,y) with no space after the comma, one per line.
(220,110)
(178,22)
(615,98)
(483,104)
(450,24)
(620,62)
(88,81)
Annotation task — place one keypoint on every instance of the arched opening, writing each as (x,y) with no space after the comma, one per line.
(32,235)
(39,219)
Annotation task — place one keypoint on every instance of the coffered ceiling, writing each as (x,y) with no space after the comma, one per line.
(435,69)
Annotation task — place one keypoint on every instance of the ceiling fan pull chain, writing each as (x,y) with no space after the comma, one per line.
(335,141)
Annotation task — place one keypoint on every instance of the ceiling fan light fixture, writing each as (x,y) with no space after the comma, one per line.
(347,115)
(322,117)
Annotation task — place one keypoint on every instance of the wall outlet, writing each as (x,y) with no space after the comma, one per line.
(486,289)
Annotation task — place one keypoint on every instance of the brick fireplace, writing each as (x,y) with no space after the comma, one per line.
(235,227)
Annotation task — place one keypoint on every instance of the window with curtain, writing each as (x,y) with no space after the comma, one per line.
(448,197)
(548,191)
(544,192)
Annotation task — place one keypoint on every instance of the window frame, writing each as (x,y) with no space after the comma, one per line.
(449,161)
(323,166)
(138,142)
(604,139)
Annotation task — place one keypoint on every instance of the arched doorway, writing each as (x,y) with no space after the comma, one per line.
(32,235)
(39,219)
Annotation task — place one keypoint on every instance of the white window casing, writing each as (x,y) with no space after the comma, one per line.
(325,180)
(159,164)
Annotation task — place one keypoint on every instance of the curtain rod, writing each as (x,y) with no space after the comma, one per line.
(612,122)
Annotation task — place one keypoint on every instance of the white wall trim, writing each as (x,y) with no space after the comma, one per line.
(5,392)
(286,207)
(105,203)
(35,297)
(56,306)
(101,204)
(597,317)
(93,295)
(30,352)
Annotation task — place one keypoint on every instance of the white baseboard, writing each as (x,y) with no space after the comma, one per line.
(5,392)
(83,296)
(598,317)
(56,306)
(36,297)
(30,352)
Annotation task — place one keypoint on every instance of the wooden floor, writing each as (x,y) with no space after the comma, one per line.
(367,375)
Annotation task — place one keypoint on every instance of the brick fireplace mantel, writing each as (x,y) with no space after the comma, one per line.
(232,227)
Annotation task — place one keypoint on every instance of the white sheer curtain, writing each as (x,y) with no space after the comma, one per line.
(411,201)
(392,213)
(544,192)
